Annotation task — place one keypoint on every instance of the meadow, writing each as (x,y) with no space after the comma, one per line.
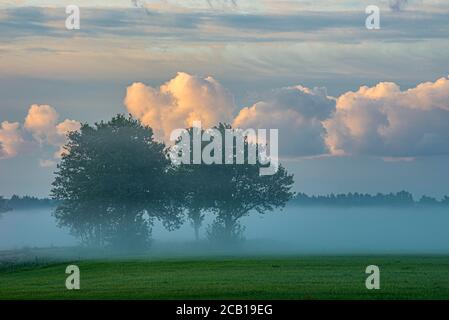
(257,277)
(314,253)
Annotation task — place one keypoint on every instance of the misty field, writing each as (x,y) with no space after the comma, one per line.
(233,278)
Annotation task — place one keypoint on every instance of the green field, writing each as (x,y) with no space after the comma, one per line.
(233,278)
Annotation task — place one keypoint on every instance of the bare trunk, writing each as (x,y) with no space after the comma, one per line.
(197,231)
(229,227)
(196,223)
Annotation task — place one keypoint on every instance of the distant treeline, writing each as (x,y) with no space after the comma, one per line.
(399,199)
(26,202)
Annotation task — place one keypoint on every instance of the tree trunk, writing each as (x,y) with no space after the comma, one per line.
(197,231)
(196,222)
(229,227)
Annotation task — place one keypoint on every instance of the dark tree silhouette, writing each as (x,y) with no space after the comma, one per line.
(428,201)
(237,189)
(399,199)
(4,207)
(193,184)
(445,201)
(29,202)
(111,184)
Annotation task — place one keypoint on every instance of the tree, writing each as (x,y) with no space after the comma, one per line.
(192,182)
(4,207)
(402,198)
(193,195)
(232,191)
(112,183)
(428,201)
(445,200)
(29,202)
(239,190)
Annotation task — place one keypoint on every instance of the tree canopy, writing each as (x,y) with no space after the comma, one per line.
(232,191)
(112,184)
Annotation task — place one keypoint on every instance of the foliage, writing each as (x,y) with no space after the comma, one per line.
(232,191)
(112,184)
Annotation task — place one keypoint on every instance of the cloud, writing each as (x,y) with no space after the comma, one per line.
(42,123)
(381,121)
(385,121)
(179,102)
(397,5)
(11,139)
(46,163)
(138,3)
(214,4)
(298,113)
(63,128)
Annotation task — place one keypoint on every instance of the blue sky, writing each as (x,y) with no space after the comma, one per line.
(258,53)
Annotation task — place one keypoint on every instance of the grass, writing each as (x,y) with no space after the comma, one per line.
(233,278)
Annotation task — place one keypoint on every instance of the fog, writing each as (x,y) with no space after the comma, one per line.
(296,230)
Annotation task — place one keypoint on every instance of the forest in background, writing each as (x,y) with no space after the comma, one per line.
(398,199)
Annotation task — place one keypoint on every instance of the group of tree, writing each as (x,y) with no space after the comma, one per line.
(399,199)
(29,202)
(114,180)
(229,191)
(25,203)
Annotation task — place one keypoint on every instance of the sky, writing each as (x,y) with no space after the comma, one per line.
(357,110)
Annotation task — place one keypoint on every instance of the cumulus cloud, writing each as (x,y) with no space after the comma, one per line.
(41,126)
(11,139)
(42,123)
(385,121)
(62,129)
(380,121)
(179,102)
(298,113)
